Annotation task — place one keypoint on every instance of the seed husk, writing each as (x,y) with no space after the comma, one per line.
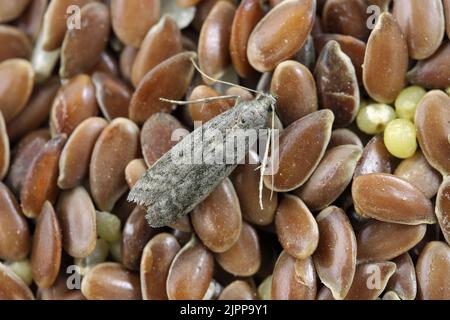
(12,287)
(443,208)
(403,282)
(15,43)
(375,158)
(238,290)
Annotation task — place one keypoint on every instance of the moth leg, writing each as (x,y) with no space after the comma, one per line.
(204,100)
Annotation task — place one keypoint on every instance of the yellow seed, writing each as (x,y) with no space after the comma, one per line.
(448,91)
(374,117)
(264,289)
(97,256)
(400,138)
(115,250)
(407,101)
(108,226)
(23,270)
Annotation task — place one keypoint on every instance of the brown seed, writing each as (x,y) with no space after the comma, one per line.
(15,43)
(134,170)
(76,214)
(191,272)
(375,158)
(296,228)
(116,146)
(433,272)
(161,42)
(31,19)
(420,174)
(14,233)
(280,34)
(113,95)
(295,89)
(111,281)
(307,54)
(378,240)
(293,279)
(217,220)
(303,142)
(157,136)
(183,225)
(432,125)
(107,64)
(206,111)
(59,291)
(447,16)
(344,136)
(127,57)
(423,29)
(17,84)
(238,290)
(12,287)
(246,246)
(387,198)
(169,79)
(403,281)
(337,85)
(47,248)
(324,294)
(76,155)
(132,19)
(10,10)
(443,208)
(4,148)
(155,263)
(331,177)
(335,257)
(385,61)
(248,14)
(82,48)
(40,183)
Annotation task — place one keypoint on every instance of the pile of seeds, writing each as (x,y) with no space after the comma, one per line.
(360,206)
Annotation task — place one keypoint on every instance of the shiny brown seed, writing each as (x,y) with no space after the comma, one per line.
(423,29)
(245,179)
(385,61)
(280,34)
(324,294)
(132,19)
(378,240)
(293,279)
(169,79)
(248,14)
(307,54)
(447,16)
(14,233)
(12,287)
(387,198)
(155,263)
(127,57)
(403,281)
(296,228)
(106,64)
(134,170)
(47,248)
(191,272)
(246,246)
(238,290)
(295,89)
(31,19)
(420,174)
(206,111)
(76,214)
(40,183)
(161,42)
(331,177)
(443,208)
(111,281)
(337,85)
(305,142)
(432,125)
(344,136)
(375,158)
(10,10)
(217,220)
(116,146)
(15,43)
(335,257)
(17,84)
(4,148)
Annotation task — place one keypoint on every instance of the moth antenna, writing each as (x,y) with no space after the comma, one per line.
(272,131)
(203,100)
(263,169)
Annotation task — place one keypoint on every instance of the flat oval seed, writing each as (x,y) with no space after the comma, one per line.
(344,136)
(335,257)
(31,19)
(387,198)
(246,246)
(378,240)
(40,183)
(134,170)
(403,281)
(127,57)
(155,263)
(4,148)
(12,287)
(386,60)
(447,16)
(432,125)
(161,42)
(116,146)
(76,155)
(132,19)
(303,142)
(433,272)
(190,272)
(296,228)
(77,217)
(15,43)
(169,79)
(10,10)
(47,248)
(14,233)
(443,208)
(206,111)
(423,29)
(111,281)
(293,279)
(331,177)
(295,89)
(375,158)
(238,290)
(217,220)
(280,34)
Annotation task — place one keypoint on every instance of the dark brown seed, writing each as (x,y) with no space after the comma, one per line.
(15,43)
(12,287)
(238,290)
(403,281)
(10,10)
(31,19)
(375,158)
(344,136)
(206,111)
(107,64)
(134,170)
(443,208)
(307,54)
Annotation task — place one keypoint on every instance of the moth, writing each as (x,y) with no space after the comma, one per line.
(172,187)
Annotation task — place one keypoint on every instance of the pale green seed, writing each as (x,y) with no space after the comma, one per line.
(374,117)
(108,226)
(407,101)
(23,270)
(97,256)
(265,289)
(115,249)
(448,91)
(400,138)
